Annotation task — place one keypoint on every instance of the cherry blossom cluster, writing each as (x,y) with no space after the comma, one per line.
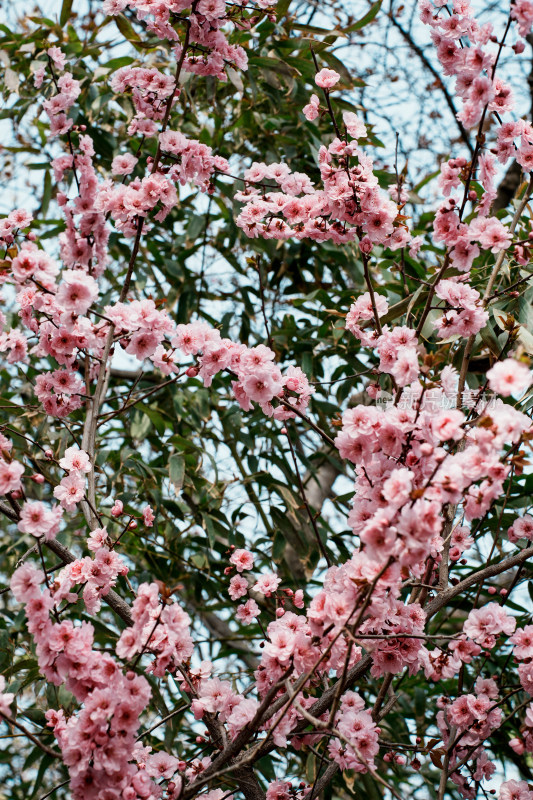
(161,629)
(11,471)
(469,720)
(357,744)
(259,379)
(281,204)
(191,161)
(150,90)
(98,743)
(68,91)
(97,575)
(465,315)
(421,478)
(462,48)
(211,52)
(407,473)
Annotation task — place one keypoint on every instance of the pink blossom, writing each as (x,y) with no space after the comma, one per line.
(298,598)
(247,612)
(77,291)
(490,233)
(143,344)
(124,164)
(242,559)
(6,698)
(242,714)
(509,377)
(38,520)
(327,78)
(161,765)
(355,127)
(57,56)
(484,624)
(523,642)
(238,587)
(26,581)
(267,584)
(311,110)
(515,790)
(522,528)
(70,491)
(10,474)
(262,385)
(211,9)
(118,508)
(98,538)
(75,460)
(148,516)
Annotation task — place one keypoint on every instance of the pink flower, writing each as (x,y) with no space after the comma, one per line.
(77,291)
(20,218)
(25,582)
(57,56)
(241,715)
(247,612)
(10,475)
(148,516)
(483,625)
(405,369)
(143,344)
(267,584)
(211,9)
(118,508)
(355,127)
(447,425)
(509,377)
(515,790)
(281,644)
(523,642)
(97,539)
(327,78)
(238,587)
(123,165)
(310,111)
(278,790)
(70,491)
(6,698)
(161,765)
(298,598)
(490,233)
(38,520)
(522,528)
(75,460)
(397,488)
(242,559)
(262,385)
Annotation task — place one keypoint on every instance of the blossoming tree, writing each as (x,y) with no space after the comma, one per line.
(215,306)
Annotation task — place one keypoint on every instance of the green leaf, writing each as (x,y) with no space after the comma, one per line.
(66,9)
(47,193)
(176,469)
(117,63)
(281,8)
(369,16)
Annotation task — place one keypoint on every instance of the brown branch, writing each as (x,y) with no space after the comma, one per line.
(30,736)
